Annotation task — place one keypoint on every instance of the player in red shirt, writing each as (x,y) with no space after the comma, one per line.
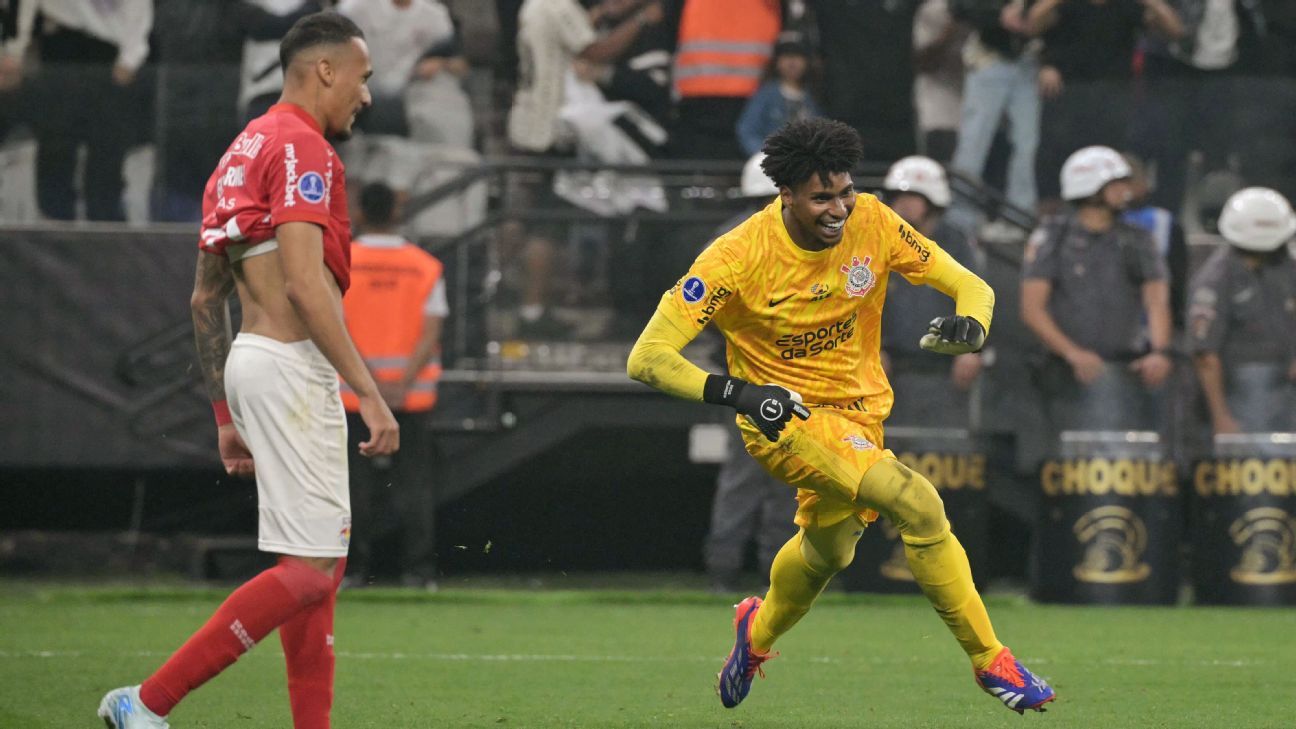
(275,229)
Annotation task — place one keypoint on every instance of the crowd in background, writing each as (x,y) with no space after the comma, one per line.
(1002,90)
(1199,96)
(1120,123)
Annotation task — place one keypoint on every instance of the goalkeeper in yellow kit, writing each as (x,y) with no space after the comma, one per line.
(797,291)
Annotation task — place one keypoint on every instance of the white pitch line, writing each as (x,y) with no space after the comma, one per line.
(575,658)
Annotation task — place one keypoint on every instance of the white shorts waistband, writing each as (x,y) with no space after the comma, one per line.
(303,350)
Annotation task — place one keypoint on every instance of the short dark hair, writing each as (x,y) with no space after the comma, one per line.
(316,29)
(377,203)
(808,147)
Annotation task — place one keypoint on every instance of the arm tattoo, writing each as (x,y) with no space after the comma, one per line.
(213,284)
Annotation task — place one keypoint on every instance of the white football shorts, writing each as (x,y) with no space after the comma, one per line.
(284,399)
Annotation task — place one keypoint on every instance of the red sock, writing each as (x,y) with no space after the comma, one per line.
(247,615)
(307,640)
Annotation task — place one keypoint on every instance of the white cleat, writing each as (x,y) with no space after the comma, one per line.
(122,709)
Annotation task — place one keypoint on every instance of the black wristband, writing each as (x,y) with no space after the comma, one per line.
(722,390)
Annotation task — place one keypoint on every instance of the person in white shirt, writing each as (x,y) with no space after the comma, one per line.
(418,69)
(90,54)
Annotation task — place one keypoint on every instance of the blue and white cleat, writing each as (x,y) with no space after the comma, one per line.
(122,709)
(1012,683)
(744,662)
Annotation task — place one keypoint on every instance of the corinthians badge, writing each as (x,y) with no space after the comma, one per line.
(859,279)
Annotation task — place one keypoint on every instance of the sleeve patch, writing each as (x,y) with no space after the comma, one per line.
(694,289)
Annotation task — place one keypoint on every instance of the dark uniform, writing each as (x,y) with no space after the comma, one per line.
(925,393)
(1247,316)
(1097,301)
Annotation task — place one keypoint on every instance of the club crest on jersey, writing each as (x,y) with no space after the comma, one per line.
(311,187)
(858,442)
(693,289)
(859,278)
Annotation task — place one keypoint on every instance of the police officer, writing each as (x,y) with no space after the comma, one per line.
(749,503)
(929,388)
(1095,293)
(1242,317)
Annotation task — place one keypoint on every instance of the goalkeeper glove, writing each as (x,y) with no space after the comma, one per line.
(767,407)
(953,335)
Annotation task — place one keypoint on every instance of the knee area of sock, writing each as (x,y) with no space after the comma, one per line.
(305,583)
(834,563)
(918,511)
(827,564)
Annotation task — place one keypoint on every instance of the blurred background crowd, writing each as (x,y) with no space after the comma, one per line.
(567,159)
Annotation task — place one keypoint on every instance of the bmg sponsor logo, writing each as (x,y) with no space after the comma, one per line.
(912,240)
(814,342)
(713,304)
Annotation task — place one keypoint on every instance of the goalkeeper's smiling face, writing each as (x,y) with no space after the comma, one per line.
(816,210)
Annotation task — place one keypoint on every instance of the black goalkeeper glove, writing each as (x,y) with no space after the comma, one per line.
(768,407)
(953,335)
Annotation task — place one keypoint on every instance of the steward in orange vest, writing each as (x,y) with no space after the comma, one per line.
(724,46)
(394,311)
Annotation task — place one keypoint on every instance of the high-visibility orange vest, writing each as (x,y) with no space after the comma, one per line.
(724,46)
(384,312)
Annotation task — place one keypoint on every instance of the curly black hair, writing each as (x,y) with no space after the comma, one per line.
(810,147)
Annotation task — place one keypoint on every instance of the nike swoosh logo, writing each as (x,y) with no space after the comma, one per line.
(776,302)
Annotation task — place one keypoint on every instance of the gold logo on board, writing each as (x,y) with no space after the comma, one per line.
(1267,537)
(1114,539)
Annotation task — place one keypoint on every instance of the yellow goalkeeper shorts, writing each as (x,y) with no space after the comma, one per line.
(824,458)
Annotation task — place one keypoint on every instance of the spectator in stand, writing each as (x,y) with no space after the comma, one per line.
(1243,317)
(938,83)
(1189,90)
(1094,291)
(643,73)
(260,79)
(418,69)
(90,54)
(783,97)
(1000,84)
(722,51)
(551,35)
(1086,74)
(867,48)
(199,93)
(930,390)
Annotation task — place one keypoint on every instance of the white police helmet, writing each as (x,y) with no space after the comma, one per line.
(922,175)
(755,183)
(1088,169)
(1257,219)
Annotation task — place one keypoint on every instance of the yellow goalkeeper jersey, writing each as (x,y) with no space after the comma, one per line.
(810,320)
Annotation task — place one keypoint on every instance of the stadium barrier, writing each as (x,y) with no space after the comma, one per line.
(1244,521)
(1109,530)
(961,466)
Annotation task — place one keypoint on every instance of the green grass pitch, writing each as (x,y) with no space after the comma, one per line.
(510,658)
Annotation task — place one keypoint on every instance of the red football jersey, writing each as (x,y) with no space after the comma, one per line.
(280,169)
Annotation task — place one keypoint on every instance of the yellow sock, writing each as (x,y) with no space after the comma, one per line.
(794,585)
(941,567)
